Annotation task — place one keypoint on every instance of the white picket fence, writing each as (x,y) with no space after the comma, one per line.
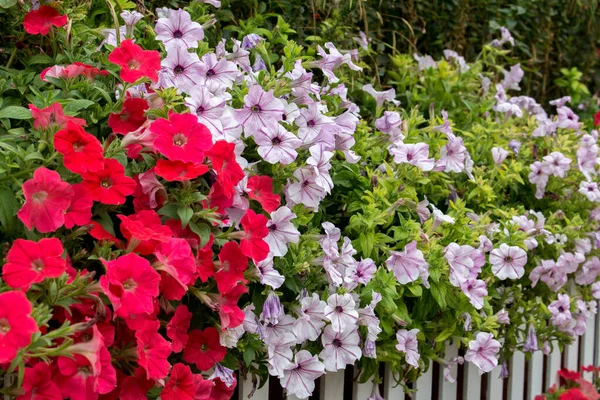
(527,378)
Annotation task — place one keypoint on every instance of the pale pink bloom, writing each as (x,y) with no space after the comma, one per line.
(178,30)
(448,368)
(290,112)
(280,354)
(367,317)
(209,109)
(305,190)
(499,155)
(309,324)
(281,231)
(407,265)
(365,270)
(267,273)
(440,217)
(506,37)
(329,241)
(596,290)
(485,244)
(513,77)
(475,290)
(272,331)
(180,69)
(381,97)
(538,177)
(390,123)
(299,377)
(261,110)
(453,156)
(340,348)
(567,119)
(583,246)
(415,154)
(589,190)
(277,145)
(341,311)
(409,345)
(214,3)
(424,62)
(589,272)
(587,155)
(215,72)
(556,164)
(329,62)
(503,317)
(311,122)
(465,262)
(561,311)
(483,352)
(569,262)
(548,272)
(508,262)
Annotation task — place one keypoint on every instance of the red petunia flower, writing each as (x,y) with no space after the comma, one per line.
(80,211)
(181,385)
(136,387)
(181,138)
(135,62)
(40,21)
(81,151)
(597,119)
(131,285)
(177,328)
(255,228)
(30,262)
(144,231)
(38,384)
(260,188)
(179,170)
(77,381)
(153,352)
(220,390)
(52,116)
(16,325)
(204,348)
(178,231)
(229,172)
(131,116)
(99,233)
(71,71)
(109,185)
(573,394)
(203,387)
(569,375)
(218,199)
(177,266)
(231,271)
(230,313)
(205,266)
(149,193)
(47,198)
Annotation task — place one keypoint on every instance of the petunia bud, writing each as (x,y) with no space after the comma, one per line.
(272,309)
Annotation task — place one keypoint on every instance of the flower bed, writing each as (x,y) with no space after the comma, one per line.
(177,207)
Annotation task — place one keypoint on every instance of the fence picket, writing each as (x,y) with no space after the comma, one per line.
(517,372)
(472,386)
(332,386)
(535,375)
(425,384)
(259,394)
(495,384)
(587,348)
(391,389)
(572,355)
(448,389)
(362,391)
(553,365)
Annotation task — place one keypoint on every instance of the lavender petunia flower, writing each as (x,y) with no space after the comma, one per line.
(268,275)
(538,177)
(362,40)
(389,124)
(531,344)
(226,375)
(340,348)
(311,122)
(131,18)
(305,190)
(209,109)
(272,309)
(561,311)
(259,64)
(485,244)
(272,331)
(549,273)
(367,317)
(409,345)
(567,119)
(513,77)
(180,69)
(425,62)
(483,352)
(407,265)
(261,110)
(280,354)
(299,377)
(381,97)
(590,190)
(277,145)
(587,156)
(503,317)
(340,310)
(596,290)
(556,164)
(508,262)
(250,41)
(448,368)
(514,145)
(309,324)
(440,217)
(546,348)
(589,272)
(475,290)
(330,62)
(451,55)
(505,38)
(370,349)
(281,231)
(218,73)
(365,269)
(178,30)
(499,155)
(415,154)
(561,102)
(214,3)
(465,262)
(453,156)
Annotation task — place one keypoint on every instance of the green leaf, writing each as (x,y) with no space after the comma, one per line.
(438,291)
(185,214)
(170,210)
(202,230)
(8,209)
(7,3)
(445,334)
(249,354)
(15,112)
(73,106)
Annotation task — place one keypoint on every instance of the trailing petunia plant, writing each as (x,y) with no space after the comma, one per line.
(177,205)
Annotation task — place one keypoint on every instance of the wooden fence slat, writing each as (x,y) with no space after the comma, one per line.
(587,348)
(362,391)
(391,391)
(535,375)
(472,387)
(572,355)
(495,384)
(246,388)
(332,386)
(517,372)
(553,365)
(425,385)
(448,389)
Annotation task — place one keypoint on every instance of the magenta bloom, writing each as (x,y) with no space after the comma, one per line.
(508,261)
(408,265)
(483,352)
